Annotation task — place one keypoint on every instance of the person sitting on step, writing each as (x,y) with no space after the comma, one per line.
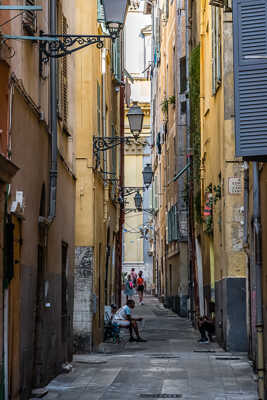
(206,328)
(123,318)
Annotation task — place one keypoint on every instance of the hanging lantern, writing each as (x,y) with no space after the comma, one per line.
(147,175)
(115,14)
(136,117)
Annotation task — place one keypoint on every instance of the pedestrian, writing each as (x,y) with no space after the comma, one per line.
(134,277)
(140,282)
(206,328)
(123,319)
(129,288)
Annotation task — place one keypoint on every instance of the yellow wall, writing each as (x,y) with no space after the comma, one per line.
(218,159)
(96,209)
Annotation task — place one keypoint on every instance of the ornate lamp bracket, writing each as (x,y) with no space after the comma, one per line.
(108,142)
(68,44)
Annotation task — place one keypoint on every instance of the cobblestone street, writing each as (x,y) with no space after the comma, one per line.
(170,365)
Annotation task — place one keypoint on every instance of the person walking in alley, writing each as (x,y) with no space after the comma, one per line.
(140,287)
(123,319)
(134,277)
(129,288)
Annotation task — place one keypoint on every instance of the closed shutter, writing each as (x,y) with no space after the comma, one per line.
(100,12)
(98,110)
(29,18)
(116,55)
(64,88)
(250,40)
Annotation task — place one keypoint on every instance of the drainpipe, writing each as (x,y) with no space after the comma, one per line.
(53,116)
(258,270)
(104,108)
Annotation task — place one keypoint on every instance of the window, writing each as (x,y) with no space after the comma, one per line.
(172,224)
(216,49)
(183,74)
(62,66)
(29,20)
(116,58)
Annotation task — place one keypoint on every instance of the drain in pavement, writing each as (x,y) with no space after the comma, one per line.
(227,358)
(160,396)
(204,351)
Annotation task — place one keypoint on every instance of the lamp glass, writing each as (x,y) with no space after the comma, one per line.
(136,118)
(115,14)
(147,175)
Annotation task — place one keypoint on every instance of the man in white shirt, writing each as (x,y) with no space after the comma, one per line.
(123,319)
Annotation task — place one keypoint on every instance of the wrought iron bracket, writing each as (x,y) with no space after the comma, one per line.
(68,44)
(129,190)
(107,142)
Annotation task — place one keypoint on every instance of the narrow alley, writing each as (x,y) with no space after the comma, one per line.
(171,364)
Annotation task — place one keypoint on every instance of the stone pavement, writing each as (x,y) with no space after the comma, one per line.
(172,364)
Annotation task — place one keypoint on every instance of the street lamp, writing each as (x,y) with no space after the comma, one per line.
(147,175)
(115,14)
(136,117)
(138,201)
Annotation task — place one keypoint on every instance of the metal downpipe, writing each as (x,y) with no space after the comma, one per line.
(258,269)
(53,116)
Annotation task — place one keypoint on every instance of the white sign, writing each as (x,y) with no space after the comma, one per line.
(235,186)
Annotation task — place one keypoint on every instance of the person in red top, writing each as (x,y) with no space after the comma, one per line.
(140,287)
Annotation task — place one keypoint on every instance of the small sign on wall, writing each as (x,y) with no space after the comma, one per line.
(235,185)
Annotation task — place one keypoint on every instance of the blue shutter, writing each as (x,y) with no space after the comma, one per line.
(250,39)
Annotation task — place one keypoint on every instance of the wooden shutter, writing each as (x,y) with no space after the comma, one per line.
(29,18)
(98,110)
(65,102)
(116,50)
(250,40)
(100,12)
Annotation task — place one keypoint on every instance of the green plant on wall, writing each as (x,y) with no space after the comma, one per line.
(165,106)
(172,100)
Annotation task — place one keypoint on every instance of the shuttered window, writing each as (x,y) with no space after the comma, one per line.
(116,58)
(250,72)
(29,20)
(62,68)
(173,224)
(216,49)
(113,165)
(98,109)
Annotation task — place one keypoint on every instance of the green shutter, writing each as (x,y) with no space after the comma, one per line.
(98,110)
(100,13)
(116,58)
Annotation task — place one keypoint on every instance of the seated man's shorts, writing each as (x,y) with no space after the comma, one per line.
(123,323)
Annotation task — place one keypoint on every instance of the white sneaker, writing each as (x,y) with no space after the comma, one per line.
(142,303)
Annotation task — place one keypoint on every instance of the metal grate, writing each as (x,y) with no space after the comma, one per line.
(160,396)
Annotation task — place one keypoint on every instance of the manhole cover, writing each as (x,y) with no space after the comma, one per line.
(160,396)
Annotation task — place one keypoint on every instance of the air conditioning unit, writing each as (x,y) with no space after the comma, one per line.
(29,19)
